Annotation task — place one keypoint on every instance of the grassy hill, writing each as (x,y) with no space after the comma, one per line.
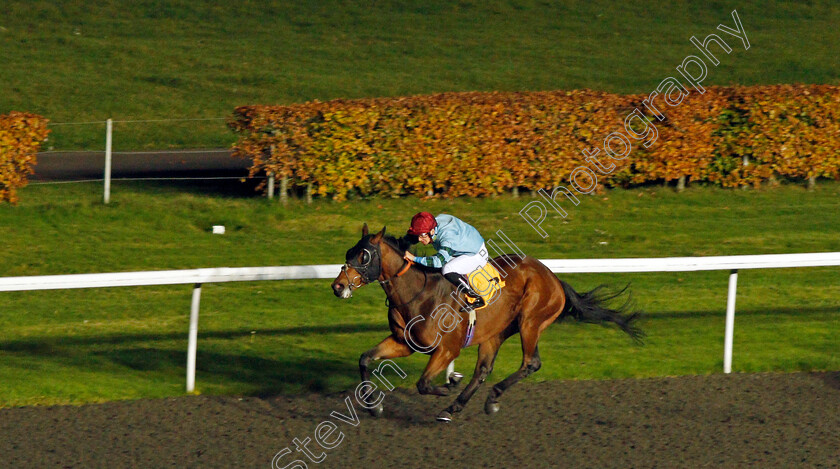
(74,346)
(88,61)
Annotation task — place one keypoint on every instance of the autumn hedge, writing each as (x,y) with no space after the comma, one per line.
(479,144)
(21,135)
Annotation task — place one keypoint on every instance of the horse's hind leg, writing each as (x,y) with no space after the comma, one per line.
(530,364)
(388,348)
(483,367)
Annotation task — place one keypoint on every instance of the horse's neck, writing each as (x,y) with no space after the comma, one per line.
(405,285)
(408,291)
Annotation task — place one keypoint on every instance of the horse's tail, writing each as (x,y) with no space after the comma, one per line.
(591,307)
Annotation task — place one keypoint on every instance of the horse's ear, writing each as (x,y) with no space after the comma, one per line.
(378,237)
(365,230)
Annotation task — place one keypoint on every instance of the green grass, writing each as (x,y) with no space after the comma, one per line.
(87,61)
(76,346)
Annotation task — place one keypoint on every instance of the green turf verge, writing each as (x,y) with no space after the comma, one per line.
(78,346)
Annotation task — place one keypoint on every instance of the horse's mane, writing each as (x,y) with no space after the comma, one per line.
(402,244)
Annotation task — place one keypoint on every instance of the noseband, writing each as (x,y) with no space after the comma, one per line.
(370,268)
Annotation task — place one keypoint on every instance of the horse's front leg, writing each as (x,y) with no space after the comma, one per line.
(438,362)
(388,348)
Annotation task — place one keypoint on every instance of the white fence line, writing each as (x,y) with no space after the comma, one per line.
(197,277)
(693,264)
(169,277)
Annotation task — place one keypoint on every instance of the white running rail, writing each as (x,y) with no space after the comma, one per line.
(249,274)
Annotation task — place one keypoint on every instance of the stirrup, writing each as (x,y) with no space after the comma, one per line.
(478,303)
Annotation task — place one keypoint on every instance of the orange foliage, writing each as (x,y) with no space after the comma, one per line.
(453,144)
(21,135)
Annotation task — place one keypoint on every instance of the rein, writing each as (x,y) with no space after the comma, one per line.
(416,295)
(404,269)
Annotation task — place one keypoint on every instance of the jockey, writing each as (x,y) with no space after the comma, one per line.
(460,249)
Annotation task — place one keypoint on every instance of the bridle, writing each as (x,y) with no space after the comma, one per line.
(369,271)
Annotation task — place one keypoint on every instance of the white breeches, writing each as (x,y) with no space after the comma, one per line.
(466,264)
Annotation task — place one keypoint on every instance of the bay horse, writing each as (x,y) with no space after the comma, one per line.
(532,299)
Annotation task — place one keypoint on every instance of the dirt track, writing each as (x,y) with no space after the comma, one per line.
(758,420)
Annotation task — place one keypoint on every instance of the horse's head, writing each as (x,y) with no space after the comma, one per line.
(363,264)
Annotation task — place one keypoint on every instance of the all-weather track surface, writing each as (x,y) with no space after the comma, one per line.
(763,420)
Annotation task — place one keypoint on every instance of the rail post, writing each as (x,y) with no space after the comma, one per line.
(730,322)
(109,130)
(193,338)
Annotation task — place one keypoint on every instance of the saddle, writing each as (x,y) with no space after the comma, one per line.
(487,282)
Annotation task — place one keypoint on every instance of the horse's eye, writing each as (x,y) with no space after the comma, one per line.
(365,257)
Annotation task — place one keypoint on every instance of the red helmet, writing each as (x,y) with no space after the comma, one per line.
(421,223)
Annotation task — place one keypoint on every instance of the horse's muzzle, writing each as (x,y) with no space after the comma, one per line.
(341,290)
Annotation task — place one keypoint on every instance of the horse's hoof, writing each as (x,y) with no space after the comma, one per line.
(491,408)
(376,411)
(444,417)
(455,378)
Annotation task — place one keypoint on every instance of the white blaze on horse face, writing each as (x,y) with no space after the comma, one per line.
(346,291)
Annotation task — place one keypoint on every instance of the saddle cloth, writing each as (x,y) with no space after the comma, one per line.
(486,281)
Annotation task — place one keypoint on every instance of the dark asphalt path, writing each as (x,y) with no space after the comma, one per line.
(63,166)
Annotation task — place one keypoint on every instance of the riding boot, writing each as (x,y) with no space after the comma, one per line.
(460,281)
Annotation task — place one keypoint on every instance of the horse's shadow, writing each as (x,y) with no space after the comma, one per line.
(831,379)
(255,375)
(262,377)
